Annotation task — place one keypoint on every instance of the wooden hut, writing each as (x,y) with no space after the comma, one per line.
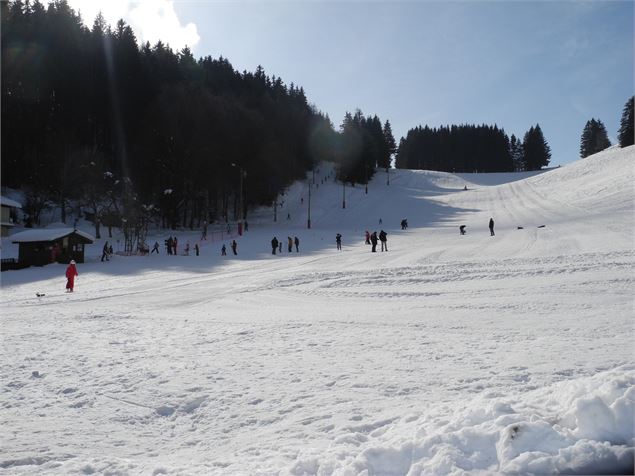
(49,245)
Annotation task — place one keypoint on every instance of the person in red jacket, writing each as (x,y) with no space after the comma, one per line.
(71,272)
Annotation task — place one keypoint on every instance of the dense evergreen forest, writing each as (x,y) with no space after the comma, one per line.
(85,111)
(469,148)
(147,132)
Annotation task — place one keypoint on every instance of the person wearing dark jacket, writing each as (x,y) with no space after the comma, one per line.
(491,227)
(297,244)
(383,237)
(274,245)
(373,241)
(234,247)
(290,244)
(338,241)
(168,245)
(105,252)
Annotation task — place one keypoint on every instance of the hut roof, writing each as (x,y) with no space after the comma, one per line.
(49,234)
(7,202)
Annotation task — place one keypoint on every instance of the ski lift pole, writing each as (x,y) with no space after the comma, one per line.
(308,223)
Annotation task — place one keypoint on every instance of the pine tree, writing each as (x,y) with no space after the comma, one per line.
(594,138)
(626,134)
(516,152)
(390,145)
(535,149)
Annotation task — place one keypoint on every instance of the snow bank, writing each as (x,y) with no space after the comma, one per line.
(584,426)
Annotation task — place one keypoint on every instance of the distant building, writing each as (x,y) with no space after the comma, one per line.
(49,245)
(9,215)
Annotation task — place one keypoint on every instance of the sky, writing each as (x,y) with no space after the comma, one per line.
(514,64)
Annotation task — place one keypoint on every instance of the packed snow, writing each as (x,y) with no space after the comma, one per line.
(448,354)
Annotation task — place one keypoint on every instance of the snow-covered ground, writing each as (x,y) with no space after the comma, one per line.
(447,354)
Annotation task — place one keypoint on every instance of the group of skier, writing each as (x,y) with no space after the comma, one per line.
(372,239)
(276,245)
(233,245)
(171,245)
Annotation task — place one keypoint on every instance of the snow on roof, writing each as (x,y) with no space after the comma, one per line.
(7,202)
(48,234)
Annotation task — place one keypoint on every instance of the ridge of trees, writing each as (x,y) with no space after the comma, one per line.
(87,113)
(471,148)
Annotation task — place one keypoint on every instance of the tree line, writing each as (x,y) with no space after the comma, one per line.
(142,132)
(89,114)
(471,148)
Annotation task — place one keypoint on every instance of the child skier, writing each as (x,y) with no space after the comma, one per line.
(71,272)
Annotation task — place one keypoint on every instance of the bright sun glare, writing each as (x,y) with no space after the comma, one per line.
(151,20)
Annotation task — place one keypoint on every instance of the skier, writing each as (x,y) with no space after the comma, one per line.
(155,247)
(297,244)
(288,216)
(274,245)
(383,237)
(187,248)
(246,226)
(289,244)
(367,235)
(491,227)
(204,234)
(380,221)
(462,229)
(338,241)
(196,248)
(373,240)
(175,243)
(105,252)
(223,250)
(280,246)
(234,246)
(71,272)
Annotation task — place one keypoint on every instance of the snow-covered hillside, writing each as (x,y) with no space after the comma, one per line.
(448,354)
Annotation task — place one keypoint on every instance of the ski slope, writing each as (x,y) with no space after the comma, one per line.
(447,354)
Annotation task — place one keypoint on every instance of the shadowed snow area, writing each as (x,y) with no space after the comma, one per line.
(448,354)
